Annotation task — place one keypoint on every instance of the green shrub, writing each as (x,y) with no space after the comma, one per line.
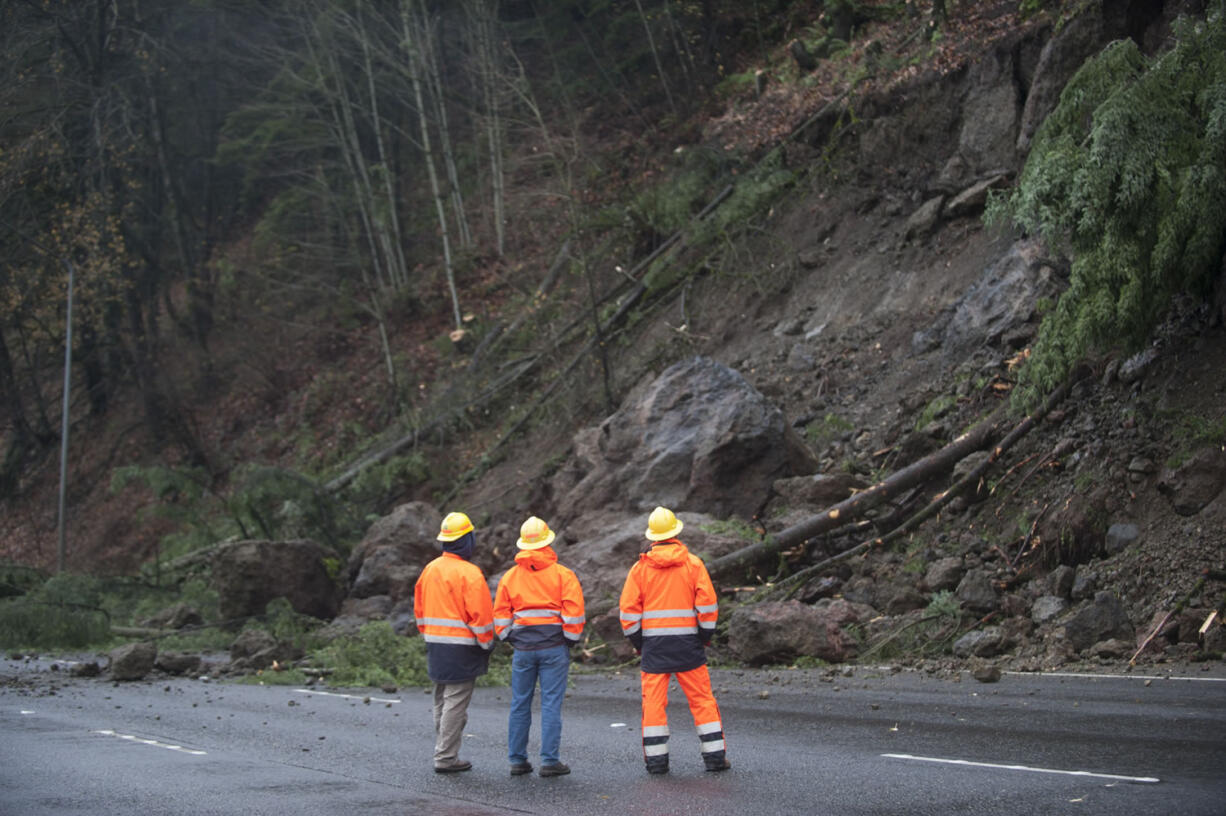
(735,527)
(377,482)
(16,579)
(939,407)
(821,432)
(943,604)
(377,656)
(31,624)
(1124,175)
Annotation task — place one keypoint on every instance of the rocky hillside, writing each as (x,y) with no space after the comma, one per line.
(878,320)
(870,323)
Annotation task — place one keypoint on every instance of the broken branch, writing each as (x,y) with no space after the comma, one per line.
(941,499)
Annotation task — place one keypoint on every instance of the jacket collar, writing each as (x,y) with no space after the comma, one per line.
(536,559)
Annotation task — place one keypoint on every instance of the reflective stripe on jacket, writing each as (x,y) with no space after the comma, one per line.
(451,601)
(668,608)
(539,603)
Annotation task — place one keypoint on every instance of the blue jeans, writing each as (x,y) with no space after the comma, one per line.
(551,666)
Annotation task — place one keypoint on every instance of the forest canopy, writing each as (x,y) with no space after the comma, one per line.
(359,151)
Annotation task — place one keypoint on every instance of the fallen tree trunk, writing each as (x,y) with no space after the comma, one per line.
(492,340)
(1178,608)
(598,336)
(639,287)
(789,584)
(143,632)
(544,396)
(850,509)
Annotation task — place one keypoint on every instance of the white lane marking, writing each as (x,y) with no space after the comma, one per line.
(617,725)
(1118,676)
(348,696)
(153,742)
(1148,779)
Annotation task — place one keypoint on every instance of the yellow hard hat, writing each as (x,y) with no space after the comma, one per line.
(454,526)
(662,524)
(534,534)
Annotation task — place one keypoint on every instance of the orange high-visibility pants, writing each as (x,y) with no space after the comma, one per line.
(696,684)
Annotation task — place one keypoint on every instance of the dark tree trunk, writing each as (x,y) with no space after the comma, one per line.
(90,356)
(853,508)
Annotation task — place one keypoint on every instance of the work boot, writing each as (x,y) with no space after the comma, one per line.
(453,766)
(521,768)
(556,769)
(720,764)
(657,766)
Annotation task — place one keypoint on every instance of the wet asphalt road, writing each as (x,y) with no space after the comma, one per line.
(800,743)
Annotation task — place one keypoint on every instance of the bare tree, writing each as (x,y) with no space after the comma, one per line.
(483,37)
(414,33)
(655,55)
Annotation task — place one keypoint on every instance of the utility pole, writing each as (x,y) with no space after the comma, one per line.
(62,525)
(61,522)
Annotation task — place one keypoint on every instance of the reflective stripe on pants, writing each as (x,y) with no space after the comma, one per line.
(696,684)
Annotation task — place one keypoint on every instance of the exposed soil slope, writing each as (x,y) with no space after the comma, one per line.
(821,314)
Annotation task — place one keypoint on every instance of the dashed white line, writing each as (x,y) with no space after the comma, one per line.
(967,762)
(152,742)
(348,696)
(1118,676)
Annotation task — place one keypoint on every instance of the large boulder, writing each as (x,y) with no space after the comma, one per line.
(944,574)
(986,642)
(1077,40)
(819,490)
(392,553)
(606,545)
(256,649)
(699,437)
(1103,619)
(608,628)
(1074,533)
(990,114)
(133,661)
(178,663)
(1048,608)
(356,613)
(1004,298)
(1197,482)
(775,632)
(249,574)
(977,592)
(176,616)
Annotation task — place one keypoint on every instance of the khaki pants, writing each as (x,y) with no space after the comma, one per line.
(450,716)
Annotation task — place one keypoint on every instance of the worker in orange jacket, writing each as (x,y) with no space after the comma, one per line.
(668,610)
(451,601)
(538,609)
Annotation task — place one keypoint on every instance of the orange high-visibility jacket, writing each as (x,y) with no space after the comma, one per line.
(539,603)
(668,608)
(455,617)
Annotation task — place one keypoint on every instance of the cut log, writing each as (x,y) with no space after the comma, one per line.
(851,509)
(978,438)
(787,586)
(142,632)
(533,361)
